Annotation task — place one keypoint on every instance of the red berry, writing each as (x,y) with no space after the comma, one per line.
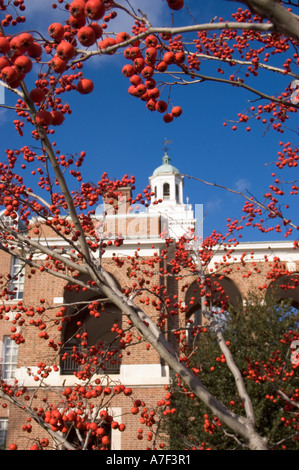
(4,62)
(58,65)
(26,40)
(4,45)
(122,37)
(105,440)
(34,447)
(37,95)
(95,9)
(35,50)
(97,29)
(175,4)
(57,118)
(86,36)
(43,118)
(77,8)
(9,74)
(128,70)
(85,86)
(23,64)
(107,42)
(168,118)
(65,50)
(161,106)
(169,58)
(151,41)
(56,31)
(176,111)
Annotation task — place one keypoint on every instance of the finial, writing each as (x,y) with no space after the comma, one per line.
(165,145)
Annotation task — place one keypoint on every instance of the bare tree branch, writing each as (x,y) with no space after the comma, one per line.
(284,21)
(248,198)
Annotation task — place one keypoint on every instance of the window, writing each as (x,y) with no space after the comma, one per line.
(10,358)
(166,190)
(285,288)
(17,277)
(70,359)
(95,441)
(3,431)
(177,193)
(98,320)
(102,349)
(193,320)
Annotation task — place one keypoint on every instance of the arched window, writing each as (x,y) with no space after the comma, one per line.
(93,318)
(221,293)
(285,289)
(166,190)
(177,193)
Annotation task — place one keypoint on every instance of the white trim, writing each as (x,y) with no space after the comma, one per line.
(144,374)
(115,433)
(55,379)
(291,266)
(257,251)
(138,375)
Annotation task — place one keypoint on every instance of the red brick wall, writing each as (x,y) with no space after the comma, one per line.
(41,285)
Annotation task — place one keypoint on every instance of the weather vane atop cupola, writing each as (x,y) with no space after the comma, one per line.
(166,142)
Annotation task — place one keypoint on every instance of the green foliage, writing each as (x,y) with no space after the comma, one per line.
(259,336)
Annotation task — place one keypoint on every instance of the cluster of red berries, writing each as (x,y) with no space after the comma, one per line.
(82,28)
(144,63)
(16,61)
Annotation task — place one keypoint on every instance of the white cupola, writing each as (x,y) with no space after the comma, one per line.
(167,185)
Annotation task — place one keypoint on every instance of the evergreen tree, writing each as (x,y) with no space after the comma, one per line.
(259,336)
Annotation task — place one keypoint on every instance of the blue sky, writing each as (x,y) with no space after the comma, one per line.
(121,136)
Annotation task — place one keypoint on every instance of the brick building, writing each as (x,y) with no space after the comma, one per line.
(242,271)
